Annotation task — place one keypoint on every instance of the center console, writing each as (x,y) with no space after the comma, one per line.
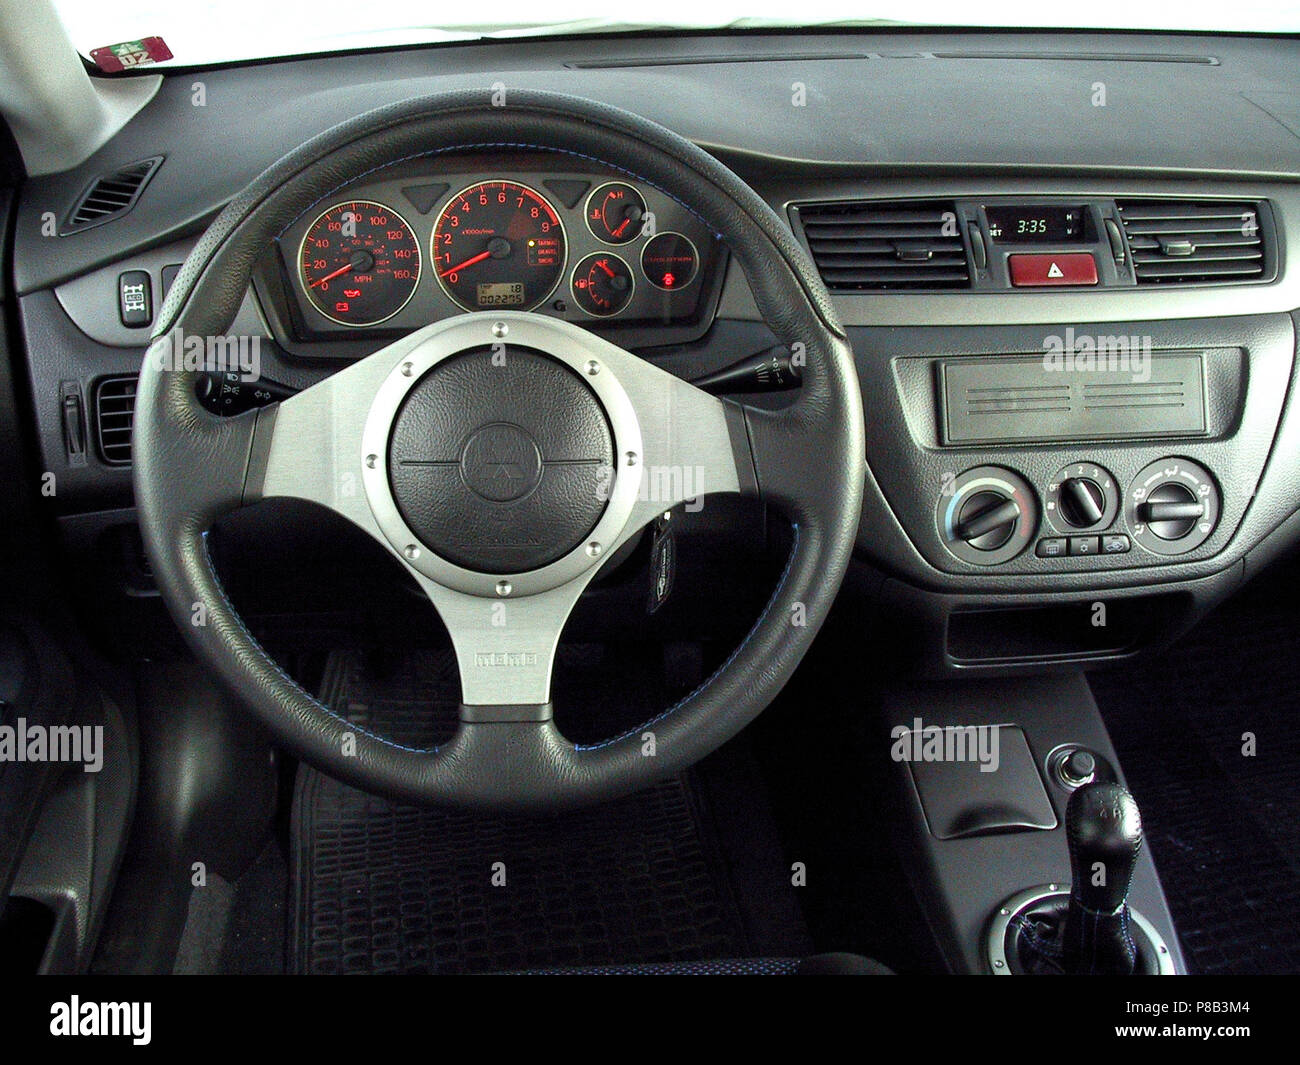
(1020,467)
(1076,392)
(1019,517)
(1080,438)
(1036,865)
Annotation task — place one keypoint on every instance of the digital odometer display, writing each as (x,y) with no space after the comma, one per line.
(498,244)
(1040,224)
(501,294)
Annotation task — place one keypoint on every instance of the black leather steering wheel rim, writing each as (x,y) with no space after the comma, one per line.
(191,467)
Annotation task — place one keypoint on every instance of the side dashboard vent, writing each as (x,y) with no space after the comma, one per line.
(1180,242)
(114,417)
(862,246)
(110,196)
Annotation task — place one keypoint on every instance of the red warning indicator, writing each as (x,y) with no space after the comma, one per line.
(670,261)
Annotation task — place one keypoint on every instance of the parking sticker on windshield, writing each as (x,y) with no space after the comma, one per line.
(130,54)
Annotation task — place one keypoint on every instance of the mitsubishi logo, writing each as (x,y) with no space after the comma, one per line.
(501,462)
(506,471)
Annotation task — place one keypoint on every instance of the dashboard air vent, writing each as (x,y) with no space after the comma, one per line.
(111,195)
(114,415)
(862,246)
(1177,242)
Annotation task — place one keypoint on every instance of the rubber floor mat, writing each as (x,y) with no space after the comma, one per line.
(1222,824)
(387,888)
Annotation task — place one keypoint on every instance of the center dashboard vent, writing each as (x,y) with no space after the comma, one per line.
(862,246)
(114,417)
(1176,242)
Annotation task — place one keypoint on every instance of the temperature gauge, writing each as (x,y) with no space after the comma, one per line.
(602,284)
(616,213)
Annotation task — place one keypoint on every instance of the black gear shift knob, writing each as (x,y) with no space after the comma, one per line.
(1104,831)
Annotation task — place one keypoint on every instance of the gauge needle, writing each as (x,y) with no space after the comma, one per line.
(330,277)
(468,262)
(604,266)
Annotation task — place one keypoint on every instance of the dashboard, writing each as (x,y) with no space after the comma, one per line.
(1151,247)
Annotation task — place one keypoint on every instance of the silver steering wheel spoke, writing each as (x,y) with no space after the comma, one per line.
(308,447)
(334,444)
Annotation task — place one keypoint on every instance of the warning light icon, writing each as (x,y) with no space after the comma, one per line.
(670,261)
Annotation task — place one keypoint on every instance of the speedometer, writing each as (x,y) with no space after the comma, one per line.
(498,244)
(359,262)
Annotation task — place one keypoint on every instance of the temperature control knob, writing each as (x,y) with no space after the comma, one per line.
(986,515)
(987,520)
(1172,506)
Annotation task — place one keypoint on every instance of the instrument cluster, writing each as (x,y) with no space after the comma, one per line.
(400,249)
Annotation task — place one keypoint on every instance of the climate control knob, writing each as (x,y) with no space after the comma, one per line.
(1082,503)
(987,520)
(1171,511)
(1082,496)
(986,515)
(1172,506)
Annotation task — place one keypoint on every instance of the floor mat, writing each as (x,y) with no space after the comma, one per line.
(239,928)
(1222,824)
(386,888)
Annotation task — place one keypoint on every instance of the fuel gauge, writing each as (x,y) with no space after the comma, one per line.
(602,284)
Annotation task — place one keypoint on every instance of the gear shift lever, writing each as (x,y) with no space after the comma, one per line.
(1090,929)
(1104,831)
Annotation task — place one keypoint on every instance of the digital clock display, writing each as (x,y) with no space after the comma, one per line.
(500,294)
(1040,224)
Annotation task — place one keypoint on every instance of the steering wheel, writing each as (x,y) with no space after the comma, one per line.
(404,443)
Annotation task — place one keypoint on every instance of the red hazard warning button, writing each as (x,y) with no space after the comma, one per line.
(1074,268)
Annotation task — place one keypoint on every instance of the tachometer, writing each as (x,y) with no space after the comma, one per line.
(359,263)
(498,244)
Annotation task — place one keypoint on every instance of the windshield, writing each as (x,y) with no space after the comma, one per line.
(227,30)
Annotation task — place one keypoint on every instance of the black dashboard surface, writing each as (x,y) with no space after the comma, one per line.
(880,102)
